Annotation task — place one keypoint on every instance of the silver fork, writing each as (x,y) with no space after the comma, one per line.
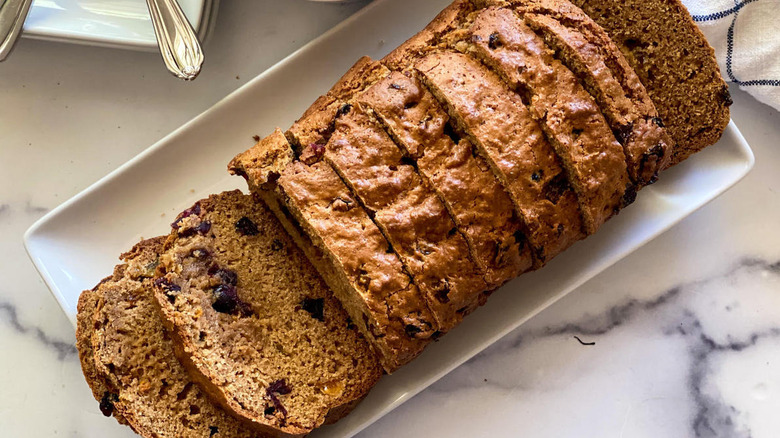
(12,16)
(179,45)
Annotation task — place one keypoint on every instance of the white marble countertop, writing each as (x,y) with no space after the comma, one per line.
(686,329)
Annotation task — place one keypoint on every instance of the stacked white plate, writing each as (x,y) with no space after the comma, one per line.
(110,23)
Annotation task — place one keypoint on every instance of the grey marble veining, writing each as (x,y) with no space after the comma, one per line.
(35,209)
(64,349)
(687,315)
(686,330)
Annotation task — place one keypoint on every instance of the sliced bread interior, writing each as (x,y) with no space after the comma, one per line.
(254,322)
(130,363)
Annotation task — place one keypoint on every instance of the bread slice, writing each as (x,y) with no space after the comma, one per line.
(130,364)
(410,215)
(345,245)
(85,327)
(573,123)
(514,146)
(646,144)
(674,62)
(254,322)
(461,178)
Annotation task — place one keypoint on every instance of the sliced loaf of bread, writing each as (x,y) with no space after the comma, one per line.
(514,146)
(462,179)
(569,116)
(347,248)
(568,157)
(254,322)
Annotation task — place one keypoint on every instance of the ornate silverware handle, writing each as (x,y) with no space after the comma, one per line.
(12,15)
(179,45)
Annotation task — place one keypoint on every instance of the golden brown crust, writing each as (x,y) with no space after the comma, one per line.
(261,165)
(645,143)
(514,145)
(437,35)
(316,124)
(410,215)
(573,123)
(462,180)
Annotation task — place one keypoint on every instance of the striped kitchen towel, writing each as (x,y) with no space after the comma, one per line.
(746,38)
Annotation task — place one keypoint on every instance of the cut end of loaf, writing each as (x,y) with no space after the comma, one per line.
(262,164)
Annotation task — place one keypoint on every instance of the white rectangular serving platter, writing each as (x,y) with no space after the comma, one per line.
(109,23)
(77,244)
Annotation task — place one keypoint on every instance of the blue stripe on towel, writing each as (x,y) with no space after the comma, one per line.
(722,14)
(730,52)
